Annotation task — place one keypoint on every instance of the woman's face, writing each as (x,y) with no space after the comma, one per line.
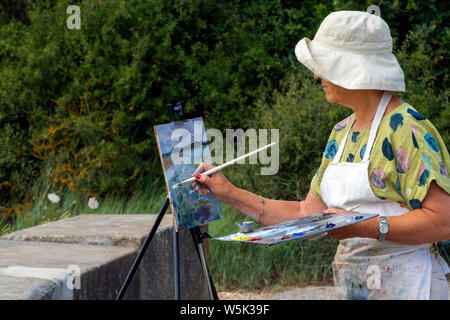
(334,93)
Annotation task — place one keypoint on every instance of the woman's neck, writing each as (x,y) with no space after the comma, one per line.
(365,103)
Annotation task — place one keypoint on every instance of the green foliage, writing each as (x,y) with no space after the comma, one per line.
(83,102)
(424,88)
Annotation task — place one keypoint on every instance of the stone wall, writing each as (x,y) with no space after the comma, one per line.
(97,251)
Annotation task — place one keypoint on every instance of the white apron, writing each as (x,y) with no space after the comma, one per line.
(365,268)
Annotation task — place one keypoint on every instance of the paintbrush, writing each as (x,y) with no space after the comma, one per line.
(354,207)
(229,163)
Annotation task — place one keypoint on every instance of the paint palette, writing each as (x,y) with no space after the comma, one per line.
(303,228)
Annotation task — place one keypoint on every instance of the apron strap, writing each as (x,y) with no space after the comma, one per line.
(387,95)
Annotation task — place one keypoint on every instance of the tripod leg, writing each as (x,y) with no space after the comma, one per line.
(205,270)
(176,265)
(198,241)
(144,247)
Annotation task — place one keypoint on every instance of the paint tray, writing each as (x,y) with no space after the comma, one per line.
(311,226)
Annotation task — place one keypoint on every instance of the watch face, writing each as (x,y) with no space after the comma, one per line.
(383,228)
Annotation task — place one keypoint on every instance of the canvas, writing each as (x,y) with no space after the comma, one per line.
(182,147)
(303,228)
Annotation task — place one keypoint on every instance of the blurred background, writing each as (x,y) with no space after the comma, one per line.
(77,107)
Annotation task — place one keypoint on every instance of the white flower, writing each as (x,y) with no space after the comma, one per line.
(93,203)
(53,197)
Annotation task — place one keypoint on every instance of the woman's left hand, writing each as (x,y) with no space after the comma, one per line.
(344,232)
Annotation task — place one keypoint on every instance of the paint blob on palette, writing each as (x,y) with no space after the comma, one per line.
(303,228)
(182,147)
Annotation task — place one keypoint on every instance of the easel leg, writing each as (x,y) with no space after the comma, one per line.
(205,270)
(144,247)
(176,265)
(197,237)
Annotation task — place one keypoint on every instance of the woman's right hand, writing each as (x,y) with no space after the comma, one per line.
(216,183)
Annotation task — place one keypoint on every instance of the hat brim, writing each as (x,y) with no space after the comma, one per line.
(350,70)
(303,55)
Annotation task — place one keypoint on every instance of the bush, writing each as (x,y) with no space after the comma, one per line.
(78,106)
(103,87)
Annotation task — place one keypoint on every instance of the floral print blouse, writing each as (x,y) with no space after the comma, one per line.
(408,153)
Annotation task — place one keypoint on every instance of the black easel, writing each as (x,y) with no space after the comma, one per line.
(197,237)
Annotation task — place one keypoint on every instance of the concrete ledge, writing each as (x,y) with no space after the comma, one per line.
(126,230)
(86,241)
(96,264)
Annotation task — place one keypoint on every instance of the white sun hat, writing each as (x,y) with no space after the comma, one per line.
(353,49)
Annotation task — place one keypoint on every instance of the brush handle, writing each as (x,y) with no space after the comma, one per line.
(226,164)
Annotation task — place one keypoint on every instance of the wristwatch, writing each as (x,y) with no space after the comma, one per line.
(383,229)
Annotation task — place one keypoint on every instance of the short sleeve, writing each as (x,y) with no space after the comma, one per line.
(420,156)
(315,183)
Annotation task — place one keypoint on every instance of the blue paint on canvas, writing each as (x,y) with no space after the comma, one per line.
(183,146)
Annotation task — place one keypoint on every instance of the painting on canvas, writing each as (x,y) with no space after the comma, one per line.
(182,147)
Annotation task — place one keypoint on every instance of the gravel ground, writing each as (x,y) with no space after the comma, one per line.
(300,293)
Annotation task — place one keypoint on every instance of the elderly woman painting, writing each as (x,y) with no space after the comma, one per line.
(386,157)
